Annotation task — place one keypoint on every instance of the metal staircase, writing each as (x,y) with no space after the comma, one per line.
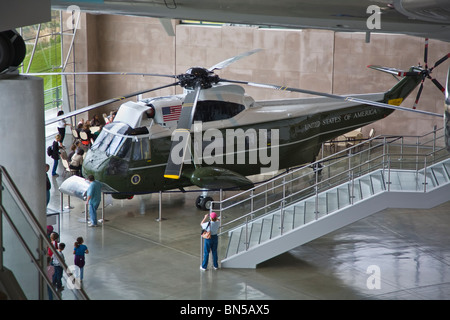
(304,204)
(23,258)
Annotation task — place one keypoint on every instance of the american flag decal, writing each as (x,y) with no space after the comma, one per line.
(171,113)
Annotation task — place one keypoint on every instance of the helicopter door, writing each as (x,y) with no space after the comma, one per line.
(140,159)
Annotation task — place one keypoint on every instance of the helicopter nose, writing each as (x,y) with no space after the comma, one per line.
(94,163)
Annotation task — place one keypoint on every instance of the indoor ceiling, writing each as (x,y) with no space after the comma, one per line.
(423,18)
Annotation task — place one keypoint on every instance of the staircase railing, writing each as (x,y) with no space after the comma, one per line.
(27,230)
(381,152)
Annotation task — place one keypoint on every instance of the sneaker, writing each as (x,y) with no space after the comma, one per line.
(91,225)
(201,268)
(216,268)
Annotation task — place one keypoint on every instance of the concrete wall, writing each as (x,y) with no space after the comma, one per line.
(319,60)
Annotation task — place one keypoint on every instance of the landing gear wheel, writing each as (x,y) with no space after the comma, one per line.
(206,203)
(203,203)
(198,202)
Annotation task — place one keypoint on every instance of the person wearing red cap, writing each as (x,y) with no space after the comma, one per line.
(210,244)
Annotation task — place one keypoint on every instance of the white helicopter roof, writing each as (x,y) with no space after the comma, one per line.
(131,113)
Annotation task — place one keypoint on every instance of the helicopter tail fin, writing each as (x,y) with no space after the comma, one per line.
(401,90)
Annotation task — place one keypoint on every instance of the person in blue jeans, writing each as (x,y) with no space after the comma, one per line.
(210,244)
(57,276)
(80,250)
(55,153)
(94,197)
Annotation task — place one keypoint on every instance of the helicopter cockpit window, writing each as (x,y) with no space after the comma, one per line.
(210,110)
(111,138)
(118,139)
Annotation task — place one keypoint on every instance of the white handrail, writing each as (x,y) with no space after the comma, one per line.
(376,155)
(37,228)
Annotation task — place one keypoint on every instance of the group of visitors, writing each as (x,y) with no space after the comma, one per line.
(77,150)
(55,262)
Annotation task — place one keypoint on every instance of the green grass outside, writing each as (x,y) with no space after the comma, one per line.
(45,58)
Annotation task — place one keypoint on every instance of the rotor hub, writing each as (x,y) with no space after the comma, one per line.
(199,75)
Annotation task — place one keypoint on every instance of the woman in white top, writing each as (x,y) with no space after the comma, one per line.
(62,126)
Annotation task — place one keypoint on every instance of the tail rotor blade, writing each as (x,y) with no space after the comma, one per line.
(441,60)
(438,85)
(418,95)
(425,54)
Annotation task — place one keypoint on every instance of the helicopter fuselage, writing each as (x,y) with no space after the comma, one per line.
(132,160)
(232,135)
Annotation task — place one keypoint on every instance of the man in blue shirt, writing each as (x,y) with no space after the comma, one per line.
(94,197)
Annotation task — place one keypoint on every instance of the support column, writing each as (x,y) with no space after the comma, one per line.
(22,145)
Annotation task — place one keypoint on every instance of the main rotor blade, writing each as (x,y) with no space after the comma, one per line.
(393,71)
(425,54)
(229,61)
(183,131)
(104,103)
(98,73)
(333,96)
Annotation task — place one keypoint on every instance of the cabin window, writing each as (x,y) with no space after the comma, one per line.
(210,110)
(141,149)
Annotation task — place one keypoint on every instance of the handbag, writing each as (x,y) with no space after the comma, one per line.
(206,234)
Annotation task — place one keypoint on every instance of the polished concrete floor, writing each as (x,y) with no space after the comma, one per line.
(393,254)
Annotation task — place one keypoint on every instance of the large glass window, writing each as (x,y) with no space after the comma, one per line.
(43,44)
